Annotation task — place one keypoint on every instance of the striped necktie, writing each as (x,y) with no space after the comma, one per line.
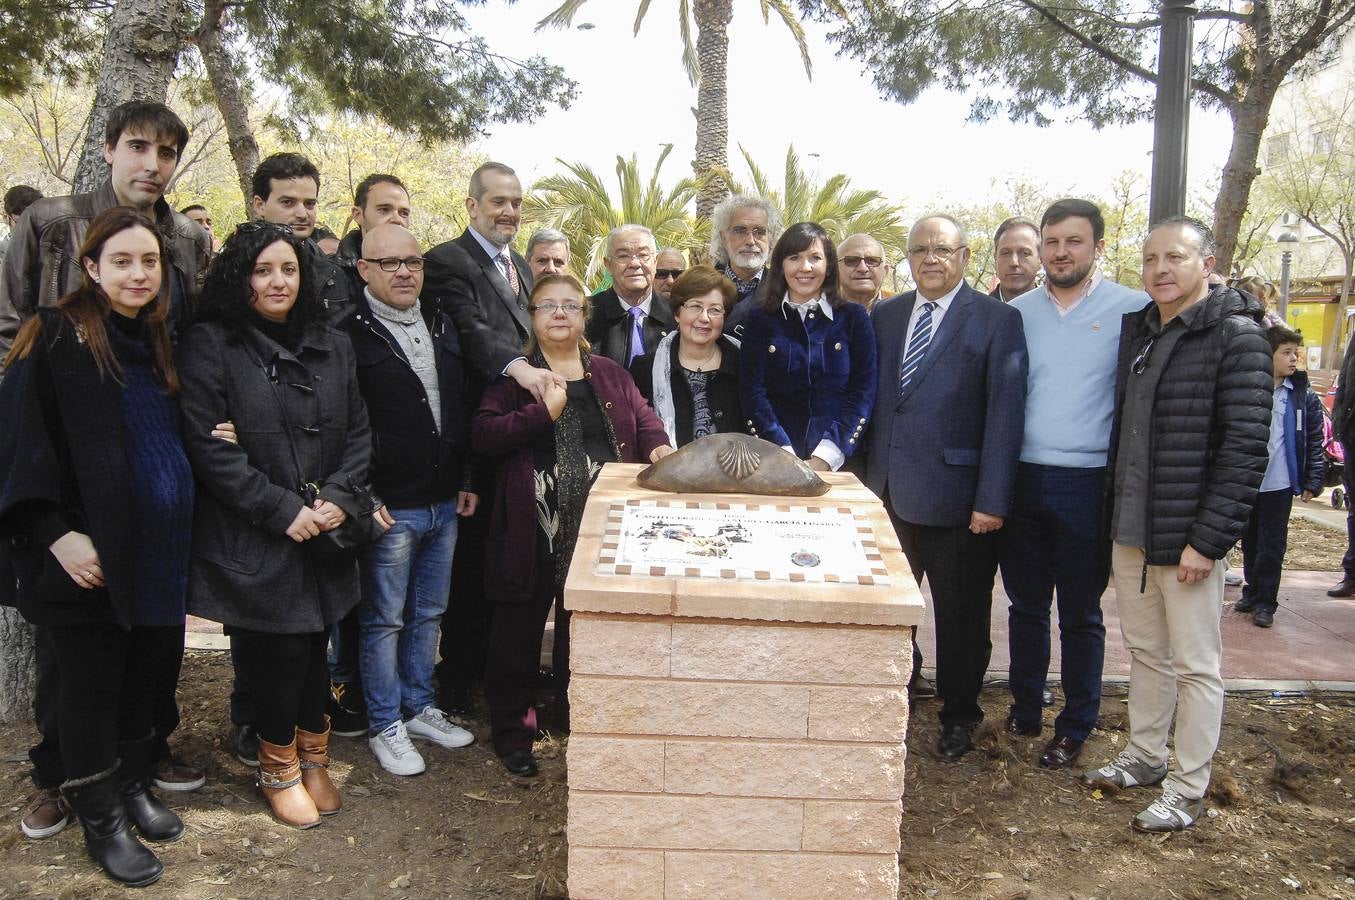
(917,347)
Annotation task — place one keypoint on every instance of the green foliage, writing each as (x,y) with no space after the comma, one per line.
(579,203)
(39,38)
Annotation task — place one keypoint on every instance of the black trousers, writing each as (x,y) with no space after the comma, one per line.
(287,677)
(1263,546)
(108,681)
(515,635)
(1348,482)
(960,567)
(464,644)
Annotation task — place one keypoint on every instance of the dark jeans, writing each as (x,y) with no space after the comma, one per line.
(345,652)
(960,567)
(1053,545)
(108,681)
(514,661)
(1263,546)
(464,643)
(287,677)
(1348,482)
(166,714)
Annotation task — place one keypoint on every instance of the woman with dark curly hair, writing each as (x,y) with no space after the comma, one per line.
(264,359)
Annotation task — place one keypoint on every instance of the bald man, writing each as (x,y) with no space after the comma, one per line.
(410,375)
(861,269)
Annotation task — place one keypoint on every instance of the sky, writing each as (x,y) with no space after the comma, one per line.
(634,97)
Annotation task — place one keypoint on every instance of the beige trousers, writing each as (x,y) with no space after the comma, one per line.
(1172,632)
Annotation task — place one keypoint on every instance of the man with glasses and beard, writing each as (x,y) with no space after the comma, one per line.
(1053,542)
(742,232)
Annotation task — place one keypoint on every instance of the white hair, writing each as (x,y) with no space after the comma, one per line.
(724,212)
(620,230)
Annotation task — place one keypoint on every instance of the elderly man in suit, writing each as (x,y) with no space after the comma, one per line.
(483,284)
(942,451)
(629,318)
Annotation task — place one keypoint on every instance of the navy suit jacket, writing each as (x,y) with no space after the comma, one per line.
(949,445)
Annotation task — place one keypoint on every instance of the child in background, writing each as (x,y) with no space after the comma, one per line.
(1296,467)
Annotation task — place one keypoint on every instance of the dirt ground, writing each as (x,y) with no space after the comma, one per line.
(994,825)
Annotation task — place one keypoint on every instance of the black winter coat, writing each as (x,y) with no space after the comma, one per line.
(63,460)
(610,325)
(1210,426)
(246,572)
(722,392)
(412,464)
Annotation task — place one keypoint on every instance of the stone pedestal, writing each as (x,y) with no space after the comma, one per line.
(737,732)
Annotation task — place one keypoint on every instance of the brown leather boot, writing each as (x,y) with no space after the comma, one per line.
(279,776)
(313,751)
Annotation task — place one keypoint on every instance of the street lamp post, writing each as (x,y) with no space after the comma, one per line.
(1171,121)
(1285,240)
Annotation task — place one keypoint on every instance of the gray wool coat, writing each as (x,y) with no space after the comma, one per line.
(246,572)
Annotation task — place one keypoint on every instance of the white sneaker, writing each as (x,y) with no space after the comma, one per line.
(394,751)
(432,725)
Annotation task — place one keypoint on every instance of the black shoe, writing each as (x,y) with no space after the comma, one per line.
(459,701)
(1046,697)
(1263,617)
(1060,753)
(520,762)
(246,741)
(1020,729)
(97,802)
(153,819)
(954,742)
(347,712)
(920,689)
(1244,604)
(1345,589)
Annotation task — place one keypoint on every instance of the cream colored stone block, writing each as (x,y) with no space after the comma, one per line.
(625,706)
(769,601)
(781,876)
(607,874)
(795,653)
(852,827)
(613,646)
(665,822)
(858,714)
(774,769)
(615,764)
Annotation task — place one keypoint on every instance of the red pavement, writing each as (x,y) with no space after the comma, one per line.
(1313,639)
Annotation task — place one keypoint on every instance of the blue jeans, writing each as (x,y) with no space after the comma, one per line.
(405,579)
(1053,540)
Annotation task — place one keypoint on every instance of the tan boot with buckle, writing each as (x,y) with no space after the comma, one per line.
(279,777)
(313,751)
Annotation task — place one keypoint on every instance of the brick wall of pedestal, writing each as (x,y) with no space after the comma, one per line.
(718,757)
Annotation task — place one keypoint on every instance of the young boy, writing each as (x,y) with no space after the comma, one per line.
(1296,467)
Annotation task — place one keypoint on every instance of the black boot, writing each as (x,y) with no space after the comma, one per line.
(153,819)
(97,801)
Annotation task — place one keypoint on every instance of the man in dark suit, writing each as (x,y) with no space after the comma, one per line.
(628,318)
(484,285)
(942,451)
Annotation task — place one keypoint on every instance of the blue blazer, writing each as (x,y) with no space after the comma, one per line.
(949,445)
(801,382)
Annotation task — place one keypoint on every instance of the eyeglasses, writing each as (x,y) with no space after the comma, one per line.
(872,262)
(1140,363)
(668,273)
(625,258)
(393,263)
(696,309)
(743,231)
(569,309)
(941,253)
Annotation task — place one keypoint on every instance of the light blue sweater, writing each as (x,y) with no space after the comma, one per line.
(1070,392)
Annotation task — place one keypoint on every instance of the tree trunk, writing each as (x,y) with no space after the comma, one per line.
(140,53)
(230,100)
(17,675)
(1250,115)
(712,102)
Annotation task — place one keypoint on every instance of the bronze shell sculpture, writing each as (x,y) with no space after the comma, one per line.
(733,464)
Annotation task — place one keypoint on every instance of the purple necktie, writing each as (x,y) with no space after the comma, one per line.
(637,334)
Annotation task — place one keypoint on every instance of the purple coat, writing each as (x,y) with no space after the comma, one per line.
(505,427)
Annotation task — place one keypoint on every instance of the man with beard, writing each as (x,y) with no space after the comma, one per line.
(1016,250)
(1054,542)
(742,232)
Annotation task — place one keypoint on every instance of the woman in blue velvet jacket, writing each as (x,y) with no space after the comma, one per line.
(807,367)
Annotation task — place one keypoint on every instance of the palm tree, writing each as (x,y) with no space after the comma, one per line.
(705,64)
(578,203)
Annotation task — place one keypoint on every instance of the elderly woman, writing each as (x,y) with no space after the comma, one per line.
(807,364)
(547,453)
(262,563)
(692,377)
(97,501)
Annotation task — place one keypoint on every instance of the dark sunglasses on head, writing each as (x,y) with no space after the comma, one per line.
(668,273)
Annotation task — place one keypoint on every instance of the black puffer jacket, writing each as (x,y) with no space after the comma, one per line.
(1211,423)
